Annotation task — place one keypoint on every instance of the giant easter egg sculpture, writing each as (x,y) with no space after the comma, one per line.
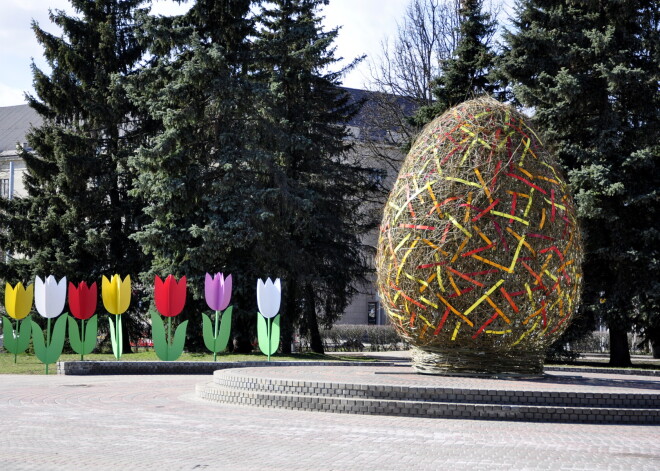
(479,255)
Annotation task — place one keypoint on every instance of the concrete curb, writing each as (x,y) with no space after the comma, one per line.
(181,367)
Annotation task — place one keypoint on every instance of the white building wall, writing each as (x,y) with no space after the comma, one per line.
(6,159)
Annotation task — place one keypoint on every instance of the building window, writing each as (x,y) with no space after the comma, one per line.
(4,188)
(372,313)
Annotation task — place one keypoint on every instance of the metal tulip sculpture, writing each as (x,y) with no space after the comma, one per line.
(269,296)
(18,302)
(116,299)
(82,304)
(217,290)
(49,298)
(170,297)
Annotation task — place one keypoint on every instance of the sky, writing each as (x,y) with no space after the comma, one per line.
(364,25)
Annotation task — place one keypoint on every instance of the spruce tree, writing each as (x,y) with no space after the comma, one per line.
(470,71)
(78,215)
(315,207)
(198,174)
(590,70)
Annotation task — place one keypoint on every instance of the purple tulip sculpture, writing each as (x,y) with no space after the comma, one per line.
(217,290)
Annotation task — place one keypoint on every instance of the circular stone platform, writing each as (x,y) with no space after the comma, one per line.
(398,390)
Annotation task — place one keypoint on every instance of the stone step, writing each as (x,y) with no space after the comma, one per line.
(396,390)
(215,392)
(229,381)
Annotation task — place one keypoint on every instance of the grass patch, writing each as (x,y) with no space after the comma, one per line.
(29,364)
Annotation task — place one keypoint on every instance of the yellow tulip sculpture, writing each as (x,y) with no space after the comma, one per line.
(116,299)
(18,303)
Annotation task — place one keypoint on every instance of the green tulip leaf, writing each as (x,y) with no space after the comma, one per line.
(24,336)
(262,333)
(207,332)
(16,342)
(10,342)
(275,334)
(116,337)
(91,330)
(225,330)
(54,350)
(113,340)
(268,344)
(176,349)
(158,336)
(39,343)
(74,336)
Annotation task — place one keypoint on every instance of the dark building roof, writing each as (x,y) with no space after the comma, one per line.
(407,105)
(375,116)
(15,123)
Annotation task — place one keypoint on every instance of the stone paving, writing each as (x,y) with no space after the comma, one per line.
(145,422)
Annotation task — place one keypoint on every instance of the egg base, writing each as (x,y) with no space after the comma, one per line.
(464,362)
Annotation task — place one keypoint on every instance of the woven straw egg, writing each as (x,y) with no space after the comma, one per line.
(479,255)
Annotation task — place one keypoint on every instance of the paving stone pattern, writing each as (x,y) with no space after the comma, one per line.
(146,422)
(612,371)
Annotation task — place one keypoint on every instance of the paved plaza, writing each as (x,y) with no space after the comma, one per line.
(156,422)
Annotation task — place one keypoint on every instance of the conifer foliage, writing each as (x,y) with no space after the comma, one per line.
(251,174)
(78,215)
(197,174)
(470,72)
(316,192)
(591,71)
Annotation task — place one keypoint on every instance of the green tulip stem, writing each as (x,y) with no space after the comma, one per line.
(268,333)
(169,331)
(16,350)
(117,331)
(82,338)
(47,339)
(215,336)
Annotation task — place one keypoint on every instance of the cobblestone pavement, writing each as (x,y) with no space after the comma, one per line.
(147,422)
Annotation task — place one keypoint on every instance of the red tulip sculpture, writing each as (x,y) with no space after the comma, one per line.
(170,297)
(82,304)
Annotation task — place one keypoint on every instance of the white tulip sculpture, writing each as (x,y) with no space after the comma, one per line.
(49,299)
(269,297)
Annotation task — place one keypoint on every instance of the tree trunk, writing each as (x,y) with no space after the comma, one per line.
(619,353)
(286,321)
(126,340)
(654,340)
(316,343)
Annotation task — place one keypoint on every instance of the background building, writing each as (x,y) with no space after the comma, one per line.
(15,122)
(365,308)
